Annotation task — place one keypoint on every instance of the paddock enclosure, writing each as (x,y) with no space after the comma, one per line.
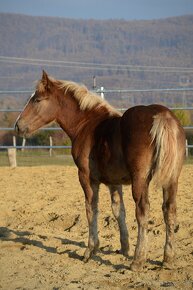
(43,234)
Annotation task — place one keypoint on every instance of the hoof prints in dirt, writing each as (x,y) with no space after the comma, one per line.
(44,232)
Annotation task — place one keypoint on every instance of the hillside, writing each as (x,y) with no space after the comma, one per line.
(161,43)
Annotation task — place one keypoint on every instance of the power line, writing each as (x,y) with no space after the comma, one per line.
(94,66)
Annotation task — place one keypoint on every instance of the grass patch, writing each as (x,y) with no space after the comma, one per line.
(37,158)
(42,157)
(189,160)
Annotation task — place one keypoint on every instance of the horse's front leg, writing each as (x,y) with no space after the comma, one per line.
(91,203)
(118,209)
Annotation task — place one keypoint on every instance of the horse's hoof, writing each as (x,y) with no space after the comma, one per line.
(125,254)
(121,252)
(87,255)
(89,252)
(85,259)
(168,265)
(124,251)
(136,266)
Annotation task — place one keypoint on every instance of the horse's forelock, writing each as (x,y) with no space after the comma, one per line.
(40,87)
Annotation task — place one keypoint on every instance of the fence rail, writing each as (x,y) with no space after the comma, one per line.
(105,91)
(36,147)
(101,91)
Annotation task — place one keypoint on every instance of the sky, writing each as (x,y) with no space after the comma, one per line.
(100,9)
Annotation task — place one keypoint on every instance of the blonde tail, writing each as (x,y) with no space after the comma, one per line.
(164,133)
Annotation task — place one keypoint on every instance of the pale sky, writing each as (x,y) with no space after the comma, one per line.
(100,9)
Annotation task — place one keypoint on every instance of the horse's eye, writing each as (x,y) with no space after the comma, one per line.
(37,100)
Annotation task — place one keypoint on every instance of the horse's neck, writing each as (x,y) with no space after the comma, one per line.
(75,121)
(71,123)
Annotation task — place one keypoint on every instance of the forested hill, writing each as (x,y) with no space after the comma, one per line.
(161,43)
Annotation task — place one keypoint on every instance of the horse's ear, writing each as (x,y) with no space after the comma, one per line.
(44,75)
(46,81)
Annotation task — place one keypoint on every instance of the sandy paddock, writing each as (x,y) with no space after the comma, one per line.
(43,233)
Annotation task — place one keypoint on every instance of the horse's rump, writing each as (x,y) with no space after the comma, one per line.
(153,142)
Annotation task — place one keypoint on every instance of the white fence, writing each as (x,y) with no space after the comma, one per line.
(102,92)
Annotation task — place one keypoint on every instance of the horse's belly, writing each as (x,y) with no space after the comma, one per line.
(108,158)
(109,180)
(114,174)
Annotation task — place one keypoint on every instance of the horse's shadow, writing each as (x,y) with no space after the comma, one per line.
(97,258)
(70,242)
(23,237)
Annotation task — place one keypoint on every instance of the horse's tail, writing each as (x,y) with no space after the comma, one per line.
(168,137)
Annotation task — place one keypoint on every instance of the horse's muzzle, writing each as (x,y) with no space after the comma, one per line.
(16,128)
(20,130)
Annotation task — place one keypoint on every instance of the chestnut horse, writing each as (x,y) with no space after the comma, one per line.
(114,149)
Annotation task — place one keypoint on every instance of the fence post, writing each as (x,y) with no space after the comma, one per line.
(186,148)
(23,144)
(51,144)
(102,93)
(14,141)
(12,154)
(12,157)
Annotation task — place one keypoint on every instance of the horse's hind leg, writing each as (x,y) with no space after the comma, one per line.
(169,212)
(91,203)
(119,213)
(140,195)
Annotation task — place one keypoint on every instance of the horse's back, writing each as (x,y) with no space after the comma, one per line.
(137,122)
(141,117)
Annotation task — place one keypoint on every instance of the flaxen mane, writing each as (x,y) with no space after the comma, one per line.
(87,100)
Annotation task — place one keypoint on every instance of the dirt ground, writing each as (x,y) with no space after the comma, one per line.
(43,234)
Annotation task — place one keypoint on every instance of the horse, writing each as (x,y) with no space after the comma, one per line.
(145,143)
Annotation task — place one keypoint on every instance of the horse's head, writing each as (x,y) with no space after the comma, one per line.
(40,109)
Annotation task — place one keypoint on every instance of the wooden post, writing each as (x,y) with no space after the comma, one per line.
(186,148)
(94,83)
(23,144)
(12,157)
(14,141)
(51,144)
(102,93)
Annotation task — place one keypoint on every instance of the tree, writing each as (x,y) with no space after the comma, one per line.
(183,116)
(185,120)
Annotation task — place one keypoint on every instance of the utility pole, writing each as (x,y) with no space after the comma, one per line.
(184,82)
(94,83)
